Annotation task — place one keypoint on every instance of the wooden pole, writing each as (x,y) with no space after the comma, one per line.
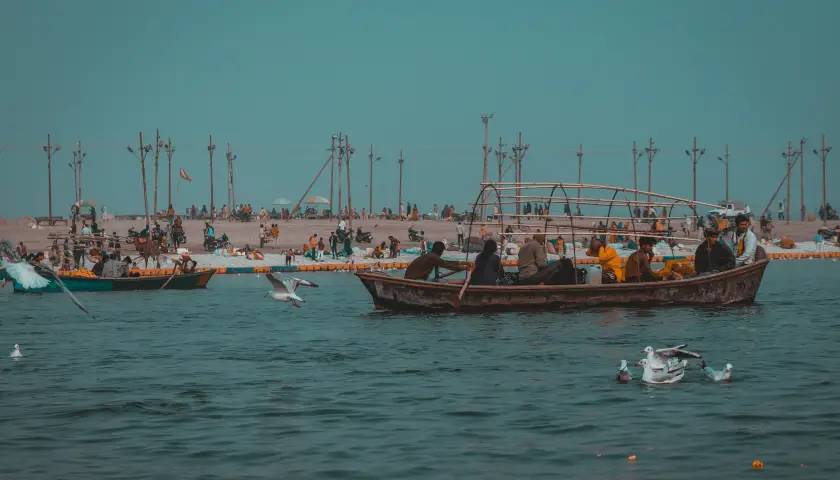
(210,149)
(340,161)
(143,180)
(580,172)
(635,171)
(399,198)
(651,152)
(485,119)
(332,174)
(802,179)
(317,175)
(158,144)
(169,150)
(370,180)
(824,150)
(349,153)
(726,165)
(49,149)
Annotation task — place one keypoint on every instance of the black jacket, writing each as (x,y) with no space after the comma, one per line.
(716,259)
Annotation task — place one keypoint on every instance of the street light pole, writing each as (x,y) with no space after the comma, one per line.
(399,198)
(170,149)
(694,157)
(802,179)
(158,145)
(788,156)
(143,149)
(485,119)
(823,153)
(210,149)
(231,192)
(580,174)
(349,151)
(500,158)
(50,150)
(651,152)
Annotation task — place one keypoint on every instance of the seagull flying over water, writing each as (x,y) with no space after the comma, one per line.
(16,353)
(623,375)
(724,375)
(284,290)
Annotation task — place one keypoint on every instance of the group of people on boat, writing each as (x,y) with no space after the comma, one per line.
(717,253)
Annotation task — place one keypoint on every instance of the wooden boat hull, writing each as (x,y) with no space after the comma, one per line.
(185,281)
(739,285)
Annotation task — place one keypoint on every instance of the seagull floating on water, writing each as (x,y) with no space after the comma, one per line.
(671,372)
(724,375)
(623,375)
(284,290)
(16,353)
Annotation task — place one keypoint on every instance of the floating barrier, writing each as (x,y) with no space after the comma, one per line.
(401,265)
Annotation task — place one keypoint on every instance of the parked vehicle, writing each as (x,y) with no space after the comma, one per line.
(730,209)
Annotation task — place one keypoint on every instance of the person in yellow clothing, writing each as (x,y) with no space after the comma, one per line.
(611,271)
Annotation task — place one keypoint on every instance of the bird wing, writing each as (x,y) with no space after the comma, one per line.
(677,352)
(299,281)
(25,275)
(67,291)
(278,285)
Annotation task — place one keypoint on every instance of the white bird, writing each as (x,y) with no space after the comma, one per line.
(724,375)
(623,375)
(671,372)
(284,290)
(25,275)
(661,357)
(16,353)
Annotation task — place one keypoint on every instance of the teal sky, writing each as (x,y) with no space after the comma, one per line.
(275,79)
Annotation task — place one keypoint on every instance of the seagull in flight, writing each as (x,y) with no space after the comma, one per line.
(284,290)
(663,356)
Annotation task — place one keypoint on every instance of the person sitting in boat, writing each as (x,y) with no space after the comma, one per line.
(712,255)
(611,271)
(533,265)
(741,241)
(637,269)
(422,266)
(187,264)
(487,269)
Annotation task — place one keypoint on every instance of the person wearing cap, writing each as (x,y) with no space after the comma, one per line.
(742,241)
(712,255)
(637,269)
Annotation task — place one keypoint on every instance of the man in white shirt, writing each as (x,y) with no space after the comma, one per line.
(742,241)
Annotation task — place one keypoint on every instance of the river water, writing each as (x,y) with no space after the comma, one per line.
(225,383)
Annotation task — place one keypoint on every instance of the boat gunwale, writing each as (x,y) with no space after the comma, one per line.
(686,282)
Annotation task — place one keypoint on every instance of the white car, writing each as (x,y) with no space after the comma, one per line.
(731,210)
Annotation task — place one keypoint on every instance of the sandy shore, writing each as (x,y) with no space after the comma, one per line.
(295,233)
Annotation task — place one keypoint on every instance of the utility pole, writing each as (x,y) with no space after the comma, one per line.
(143,150)
(693,154)
(78,156)
(340,157)
(823,153)
(349,151)
(170,149)
(789,155)
(332,173)
(485,119)
(231,193)
(636,156)
(580,175)
(519,151)
(210,149)
(370,180)
(50,149)
(725,162)
(158,145)
(802,179)
(651,152)
(500,158)
(399,198)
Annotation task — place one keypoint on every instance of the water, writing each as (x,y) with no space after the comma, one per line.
(224,383)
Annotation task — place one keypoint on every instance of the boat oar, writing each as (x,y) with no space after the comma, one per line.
(174,271)
(466,284)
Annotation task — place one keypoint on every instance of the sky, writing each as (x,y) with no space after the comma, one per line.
(277,79)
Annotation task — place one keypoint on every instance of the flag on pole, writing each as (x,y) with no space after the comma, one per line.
(183,174)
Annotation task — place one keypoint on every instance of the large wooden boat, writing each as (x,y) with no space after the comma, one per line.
(650,217)
(738,285)
(181,281)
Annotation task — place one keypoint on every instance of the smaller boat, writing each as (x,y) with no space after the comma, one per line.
(181,281)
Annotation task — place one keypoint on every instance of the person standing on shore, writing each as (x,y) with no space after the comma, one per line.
(459,230)
(334,245)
